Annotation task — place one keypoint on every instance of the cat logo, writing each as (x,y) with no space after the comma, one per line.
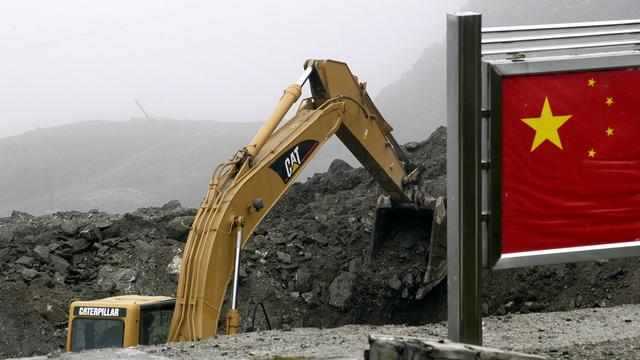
(287,165)
(293,162)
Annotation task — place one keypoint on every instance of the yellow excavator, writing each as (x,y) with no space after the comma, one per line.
(241,193)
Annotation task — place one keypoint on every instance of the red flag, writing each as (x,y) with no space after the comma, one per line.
(570,159)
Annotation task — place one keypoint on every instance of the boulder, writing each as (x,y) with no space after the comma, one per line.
(303,281)
(311,297)
(46,237)
(143,250)
(6,235)
(29,274)
(341,290)
(319,238)
(355,265)
(173,268)
(278,240)
(172,207)
(91,234)
(21,215)
(422,293)
(53,246)
(103,224)
(59,264)
(44,280)
(405,293)
(292,236)
(313,226)
(70,227)
(112,278)
(26,261)
(242,274)
(283,258)
(42,252)
(393,347)
(411,146)
(258,241)
(339,165)
(178,228)
(407,279)
(395,283)
(79,244)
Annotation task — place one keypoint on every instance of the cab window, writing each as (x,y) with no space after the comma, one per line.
(154,325)
(87,333)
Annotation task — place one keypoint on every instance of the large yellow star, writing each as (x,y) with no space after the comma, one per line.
(546,126)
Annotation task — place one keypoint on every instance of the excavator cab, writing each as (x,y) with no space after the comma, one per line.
(120,321)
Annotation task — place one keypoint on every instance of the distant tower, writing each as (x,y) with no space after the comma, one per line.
(50,187)
(142,109)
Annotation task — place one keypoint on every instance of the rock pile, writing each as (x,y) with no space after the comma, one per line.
(309,264)
(48,261)
(310,261)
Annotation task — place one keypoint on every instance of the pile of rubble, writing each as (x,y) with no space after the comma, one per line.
(47,261)
(309,264)
(310,260)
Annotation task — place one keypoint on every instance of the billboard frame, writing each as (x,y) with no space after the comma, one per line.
(497,70)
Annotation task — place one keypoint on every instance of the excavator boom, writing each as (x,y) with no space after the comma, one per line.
(245,188)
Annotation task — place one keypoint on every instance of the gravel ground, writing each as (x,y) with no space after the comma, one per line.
(610,333)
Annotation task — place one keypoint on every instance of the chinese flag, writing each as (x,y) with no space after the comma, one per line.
(570,159)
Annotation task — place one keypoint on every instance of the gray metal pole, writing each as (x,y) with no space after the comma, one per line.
(464,246)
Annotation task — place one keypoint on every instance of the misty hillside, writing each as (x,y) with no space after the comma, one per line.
(121,166)
(421,92)
(113,165)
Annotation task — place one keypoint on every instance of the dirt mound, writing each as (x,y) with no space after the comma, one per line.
(310,260)
(309,264)
(48,261)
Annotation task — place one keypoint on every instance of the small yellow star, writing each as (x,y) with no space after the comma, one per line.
(609,101)
(609,131)
(592,153)
(591,82)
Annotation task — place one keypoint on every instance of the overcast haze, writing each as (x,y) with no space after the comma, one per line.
(69,61)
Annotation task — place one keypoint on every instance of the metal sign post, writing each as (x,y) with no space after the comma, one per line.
(464,247)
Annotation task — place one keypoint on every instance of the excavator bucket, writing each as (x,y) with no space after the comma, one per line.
(407,226)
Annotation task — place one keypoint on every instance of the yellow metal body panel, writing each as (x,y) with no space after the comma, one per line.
(131,319)
(264,170)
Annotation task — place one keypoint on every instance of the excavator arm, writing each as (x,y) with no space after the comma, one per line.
(245,188)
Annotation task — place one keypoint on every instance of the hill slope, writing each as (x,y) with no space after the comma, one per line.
(121,166)
(114,166)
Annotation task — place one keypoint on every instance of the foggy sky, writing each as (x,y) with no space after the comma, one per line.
(65,61)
